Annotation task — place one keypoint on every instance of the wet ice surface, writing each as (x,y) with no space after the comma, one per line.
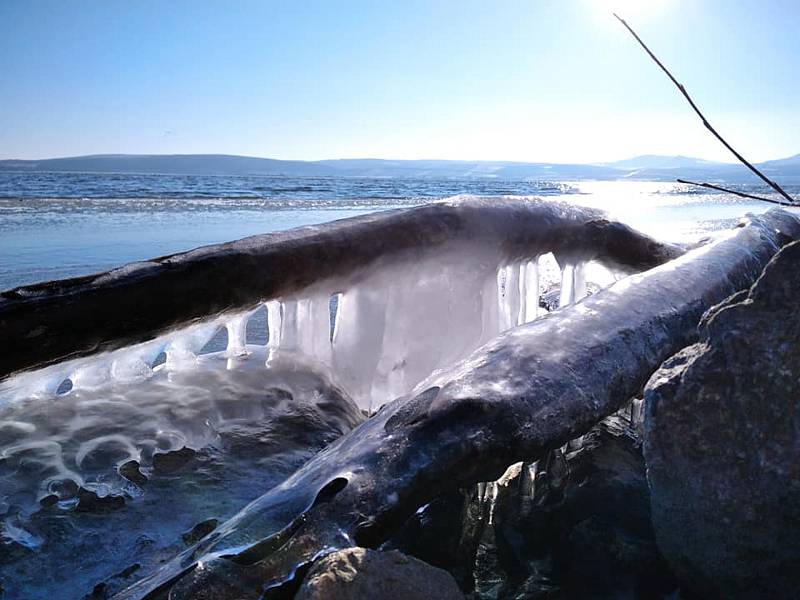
(250,427)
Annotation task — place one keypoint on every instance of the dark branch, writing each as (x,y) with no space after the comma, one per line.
(735,193)
(708,126)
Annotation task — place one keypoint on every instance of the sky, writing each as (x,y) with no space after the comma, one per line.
(528,80)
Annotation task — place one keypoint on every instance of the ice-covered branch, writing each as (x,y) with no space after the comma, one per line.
(528,391)
(444,256)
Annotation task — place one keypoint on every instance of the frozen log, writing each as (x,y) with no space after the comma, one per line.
(526,392)
(49,322)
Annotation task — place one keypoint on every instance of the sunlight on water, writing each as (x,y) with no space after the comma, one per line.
(667,211)
(73,224)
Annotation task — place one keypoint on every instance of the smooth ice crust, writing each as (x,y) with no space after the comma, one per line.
(250,427)
(379,302)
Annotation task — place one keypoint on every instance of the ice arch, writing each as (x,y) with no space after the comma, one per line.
(416,289)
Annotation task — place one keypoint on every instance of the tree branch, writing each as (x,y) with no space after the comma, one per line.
(734,192)
(708,126)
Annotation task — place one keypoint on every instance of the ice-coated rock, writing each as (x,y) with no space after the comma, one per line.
(722,444)
(361,574)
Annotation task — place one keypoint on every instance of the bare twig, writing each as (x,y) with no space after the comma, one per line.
(711,186)
(708,126)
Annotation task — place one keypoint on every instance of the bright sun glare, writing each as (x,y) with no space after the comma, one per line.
(628,9)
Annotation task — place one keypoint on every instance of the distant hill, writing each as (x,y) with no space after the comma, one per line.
(180,164)
(784,167)
(647,167)
(654,161)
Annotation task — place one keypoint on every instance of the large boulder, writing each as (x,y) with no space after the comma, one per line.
(575,524)
(722,444)
(360,574)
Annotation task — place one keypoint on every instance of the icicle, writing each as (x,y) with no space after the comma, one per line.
(531,290)
(358,340)
(237,336)
(527,487)
(567,285)
(490,307)
(182,350)
(509,298)
(289,325)
(314,327)
(274,325)
(492,491)
(579,282)
(523,292)
(636,411)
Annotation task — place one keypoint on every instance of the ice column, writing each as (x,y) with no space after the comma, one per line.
(183,348)
(490,307)
(510,297)
(314,326)
(274,319)
(531,290)
(567,285)
(289,325)
(573,283)
(358,339)
(237,335)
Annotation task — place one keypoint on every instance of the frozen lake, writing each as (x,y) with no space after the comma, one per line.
(54,226)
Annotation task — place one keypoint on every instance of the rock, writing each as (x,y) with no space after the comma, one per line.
(128,571)
(48,501)
(588,530)
(64,489)
(445,533)
(360,574)
(202,529)
(550,299)
(130,471)
(99,592)
(169,462)
(581,528)
(89,501)
(722,444)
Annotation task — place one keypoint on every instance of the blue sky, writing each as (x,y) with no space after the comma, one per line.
(533,80)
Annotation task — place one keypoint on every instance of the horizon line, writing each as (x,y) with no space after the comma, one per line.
(365,158)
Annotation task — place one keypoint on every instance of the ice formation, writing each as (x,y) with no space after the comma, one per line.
(377,302)
(526,392)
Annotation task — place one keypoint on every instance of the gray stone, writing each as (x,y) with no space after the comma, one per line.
(90,502)
(199,531)
(169,462)
(722,444)
(360,574)
(130,470)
